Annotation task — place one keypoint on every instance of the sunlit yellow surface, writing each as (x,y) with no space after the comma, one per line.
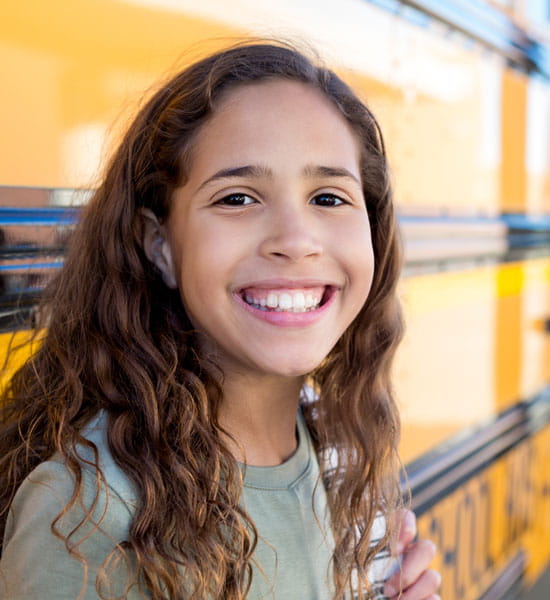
(18,346)
(535,318)
(444,150)
(475,345)
(444,371)
(514,115)
(69,70)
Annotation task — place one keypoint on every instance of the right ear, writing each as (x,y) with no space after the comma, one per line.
(157,247)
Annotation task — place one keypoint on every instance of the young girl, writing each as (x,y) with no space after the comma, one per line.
(209,413)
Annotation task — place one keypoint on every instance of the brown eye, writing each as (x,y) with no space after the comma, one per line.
(328,200)
(236,200)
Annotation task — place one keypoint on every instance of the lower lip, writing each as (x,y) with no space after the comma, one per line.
(287,319)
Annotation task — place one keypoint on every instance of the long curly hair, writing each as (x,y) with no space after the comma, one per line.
(117,338)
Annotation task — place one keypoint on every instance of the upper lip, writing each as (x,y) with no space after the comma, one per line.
(279,283)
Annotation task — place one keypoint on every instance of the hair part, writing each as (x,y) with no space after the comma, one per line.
(119,339)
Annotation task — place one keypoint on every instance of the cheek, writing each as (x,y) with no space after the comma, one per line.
(361,257)
(361,279)
(364,280)
(204,278)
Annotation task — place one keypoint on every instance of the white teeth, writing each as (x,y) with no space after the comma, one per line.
(291,302)
(299,302)
(285,301)
(272,300)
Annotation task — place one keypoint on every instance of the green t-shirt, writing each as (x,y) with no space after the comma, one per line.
(286,503)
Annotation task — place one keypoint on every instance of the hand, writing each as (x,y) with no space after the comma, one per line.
(414,581)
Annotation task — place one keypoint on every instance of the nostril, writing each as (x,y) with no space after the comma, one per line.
(293,243)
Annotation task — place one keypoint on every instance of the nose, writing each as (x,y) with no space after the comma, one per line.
(291,234)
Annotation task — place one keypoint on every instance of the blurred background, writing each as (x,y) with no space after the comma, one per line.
(462,91)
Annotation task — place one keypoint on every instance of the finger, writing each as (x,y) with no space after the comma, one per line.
(424,588)
(416,560)
(406,525)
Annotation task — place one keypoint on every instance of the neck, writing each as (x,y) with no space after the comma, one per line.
(259,414)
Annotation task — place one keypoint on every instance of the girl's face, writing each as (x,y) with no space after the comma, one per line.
(269,237)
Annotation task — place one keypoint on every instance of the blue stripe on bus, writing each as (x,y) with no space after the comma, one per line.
(29,266)
(527,222)
(38,216)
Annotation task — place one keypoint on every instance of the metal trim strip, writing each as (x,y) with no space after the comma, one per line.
(482,22)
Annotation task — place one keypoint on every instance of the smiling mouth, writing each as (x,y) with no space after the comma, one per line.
(297,300)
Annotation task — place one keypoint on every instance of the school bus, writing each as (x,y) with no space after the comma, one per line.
(462,90)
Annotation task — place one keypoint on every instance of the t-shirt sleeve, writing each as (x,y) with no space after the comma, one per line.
(36,564)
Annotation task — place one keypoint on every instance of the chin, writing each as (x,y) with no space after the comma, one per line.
(294,368)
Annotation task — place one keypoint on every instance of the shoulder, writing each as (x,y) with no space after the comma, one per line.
(36,561)
(117,481)
(48,489)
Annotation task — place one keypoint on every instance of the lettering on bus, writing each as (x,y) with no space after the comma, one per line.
(482,525)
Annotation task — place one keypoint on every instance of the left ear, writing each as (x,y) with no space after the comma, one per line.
(157,247)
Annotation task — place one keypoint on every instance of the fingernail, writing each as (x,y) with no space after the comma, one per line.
(409,522)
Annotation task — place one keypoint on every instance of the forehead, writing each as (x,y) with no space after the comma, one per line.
(276,116)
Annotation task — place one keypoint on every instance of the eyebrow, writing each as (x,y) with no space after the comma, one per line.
(255,171)
(321,171)
(258,171)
